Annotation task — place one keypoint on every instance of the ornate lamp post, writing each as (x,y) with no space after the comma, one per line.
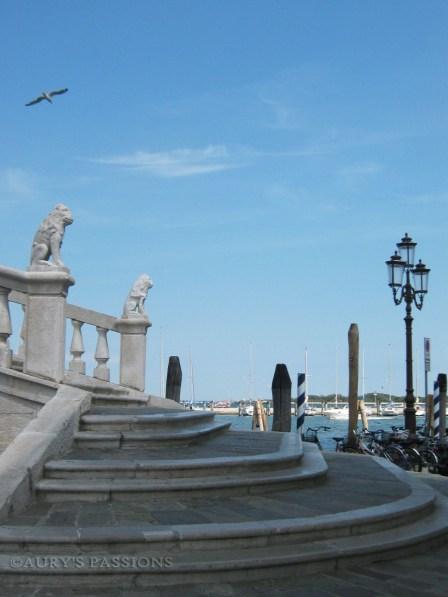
(400,265)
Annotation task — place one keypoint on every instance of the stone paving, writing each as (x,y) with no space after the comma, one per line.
(418,575)
(232,443)
(345,489)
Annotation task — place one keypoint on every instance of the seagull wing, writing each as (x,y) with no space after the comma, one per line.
(58,92)
(35,101)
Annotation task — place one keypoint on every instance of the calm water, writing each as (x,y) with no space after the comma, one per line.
(337,427)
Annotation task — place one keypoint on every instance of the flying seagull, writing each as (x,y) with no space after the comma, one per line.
(47,96)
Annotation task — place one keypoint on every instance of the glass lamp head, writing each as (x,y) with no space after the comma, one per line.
(407,250)
(421,275)
(395,267)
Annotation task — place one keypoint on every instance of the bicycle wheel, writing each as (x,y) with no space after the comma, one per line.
(349,450)
(431,460)
(397,456)
(415,460)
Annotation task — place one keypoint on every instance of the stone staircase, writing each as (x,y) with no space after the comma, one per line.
(162,497)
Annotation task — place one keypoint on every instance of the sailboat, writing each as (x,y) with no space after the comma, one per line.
(337,411)
(193,406)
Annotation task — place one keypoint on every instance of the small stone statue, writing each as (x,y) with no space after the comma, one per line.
(134,305)
(48,239)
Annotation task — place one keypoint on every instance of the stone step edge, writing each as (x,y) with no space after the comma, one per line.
(170,418)
(119,400)
(269,555)
(47,487)
(93,436)
(388,542)
(291,450)
(421,497)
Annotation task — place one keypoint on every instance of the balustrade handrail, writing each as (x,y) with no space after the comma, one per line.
(101,320)
(43,330)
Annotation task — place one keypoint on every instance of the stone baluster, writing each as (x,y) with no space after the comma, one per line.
(102,371)
(21,349)
(5,328)
(77,348)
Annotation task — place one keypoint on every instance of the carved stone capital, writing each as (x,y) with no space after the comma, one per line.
(49,283)
(132,326)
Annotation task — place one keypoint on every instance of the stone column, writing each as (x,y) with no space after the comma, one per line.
(132,351)
(45,323)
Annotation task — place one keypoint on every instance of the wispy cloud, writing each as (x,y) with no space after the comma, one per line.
(359,173)
(425,199)
(283,117)
(190,162)
(16,182)
(177,162)
(361,169)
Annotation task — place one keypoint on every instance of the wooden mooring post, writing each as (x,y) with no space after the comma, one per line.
(281,399)
(259,419)
(173,379)
(353,377)
(356,404)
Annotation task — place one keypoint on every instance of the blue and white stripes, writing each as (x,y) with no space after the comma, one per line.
(436,409)
(300,401)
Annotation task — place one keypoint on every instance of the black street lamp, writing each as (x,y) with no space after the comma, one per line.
(400,264)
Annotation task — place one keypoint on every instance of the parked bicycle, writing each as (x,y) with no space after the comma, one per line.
(311,435)
(376,443)
(434,455)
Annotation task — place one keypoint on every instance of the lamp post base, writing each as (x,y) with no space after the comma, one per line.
(409,418)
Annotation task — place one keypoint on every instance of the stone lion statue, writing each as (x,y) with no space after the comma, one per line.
(48,239)
(134,305)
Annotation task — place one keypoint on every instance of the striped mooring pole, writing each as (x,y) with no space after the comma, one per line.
(300,402)
(436,409)
(440,407)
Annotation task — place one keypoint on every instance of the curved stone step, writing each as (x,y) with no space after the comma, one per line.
(146,420)
(288,455)
(418,505)
(104,490)
(119,400)
(223,552)
(118,439)
(312,469)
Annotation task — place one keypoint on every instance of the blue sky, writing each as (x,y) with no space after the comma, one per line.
(258,159)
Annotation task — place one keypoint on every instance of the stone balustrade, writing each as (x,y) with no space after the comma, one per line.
(42,350)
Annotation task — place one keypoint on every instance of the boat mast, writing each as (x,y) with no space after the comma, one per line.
(251,372)
(416,374)
(389,371)
(306,375)
(337,377)
(191,376)
(162,392)
(363,376)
